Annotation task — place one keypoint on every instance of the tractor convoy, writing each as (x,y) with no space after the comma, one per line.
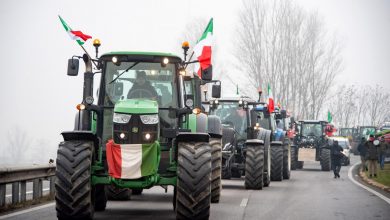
(148,125)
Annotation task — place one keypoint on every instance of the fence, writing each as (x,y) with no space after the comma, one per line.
(18,178)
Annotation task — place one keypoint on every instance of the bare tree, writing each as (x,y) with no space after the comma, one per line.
(18,145)
(280,44)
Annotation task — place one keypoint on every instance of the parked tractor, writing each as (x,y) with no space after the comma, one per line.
(245,147)
(312,144)
(144,129)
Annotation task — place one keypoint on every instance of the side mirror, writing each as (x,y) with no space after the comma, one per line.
(216,91)
(73,67)
(118,89)
(207,74)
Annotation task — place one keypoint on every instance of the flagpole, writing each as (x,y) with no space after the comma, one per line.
(88,56)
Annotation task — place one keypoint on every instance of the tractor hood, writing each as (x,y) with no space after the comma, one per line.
(136,106)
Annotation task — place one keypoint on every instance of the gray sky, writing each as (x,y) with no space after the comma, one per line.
(39,98)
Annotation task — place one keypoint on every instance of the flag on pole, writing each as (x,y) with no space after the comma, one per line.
(202,49)
(78,36)
(271,104)
(330,118)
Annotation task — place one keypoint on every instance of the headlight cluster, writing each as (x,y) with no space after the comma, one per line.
(149,119)
(121,118)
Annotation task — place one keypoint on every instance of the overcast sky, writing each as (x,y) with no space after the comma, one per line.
(39,98)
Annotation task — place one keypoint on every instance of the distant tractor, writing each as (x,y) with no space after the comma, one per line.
(136,137)
(243,142)
(361,132)
(312,144)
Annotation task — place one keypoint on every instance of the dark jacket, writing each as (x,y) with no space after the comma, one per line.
(362,149)
(142,91)
(372,151)
(336,154)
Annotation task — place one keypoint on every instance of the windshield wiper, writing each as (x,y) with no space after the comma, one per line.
(130,67)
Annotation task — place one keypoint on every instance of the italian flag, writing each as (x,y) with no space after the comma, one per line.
(202,49)
(75,35)
(271,104)
(132,161)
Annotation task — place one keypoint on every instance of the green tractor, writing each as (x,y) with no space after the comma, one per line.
(144,129)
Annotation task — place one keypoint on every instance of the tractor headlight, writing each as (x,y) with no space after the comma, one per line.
(149,119)
(121,118)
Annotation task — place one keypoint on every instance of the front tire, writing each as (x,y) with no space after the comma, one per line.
(287,161)
(74,194)
(118,194)
(254,167)
(100,197)
(277,162)
(193,186)
(294,158)
(216,163)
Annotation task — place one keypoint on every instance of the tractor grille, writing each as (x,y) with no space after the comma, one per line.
(135,132)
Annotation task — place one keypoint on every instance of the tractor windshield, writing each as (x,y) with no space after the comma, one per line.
(232,115)
(311,129)
(142,80)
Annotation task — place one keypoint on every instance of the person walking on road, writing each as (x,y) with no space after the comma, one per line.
(337,155)
(363,153)
(372,155)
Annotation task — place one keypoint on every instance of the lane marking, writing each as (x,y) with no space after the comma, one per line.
(29,192)
(365,187)
(244,202)
(27,210)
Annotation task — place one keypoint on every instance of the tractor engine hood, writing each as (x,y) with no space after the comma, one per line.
(136,106)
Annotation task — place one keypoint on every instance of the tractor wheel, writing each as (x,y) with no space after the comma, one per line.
(300,164)
(265,135)
(136,191)
(286,161)
(277,162)
(325,159)
(193,186)
(74,194)
(254,167)
(216,163)
(294,159)
(100,197)
(118,194)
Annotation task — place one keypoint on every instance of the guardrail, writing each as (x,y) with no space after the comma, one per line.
(18,178)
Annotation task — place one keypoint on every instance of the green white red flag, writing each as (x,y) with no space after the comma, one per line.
(271,103)
(78,36)
(202,49)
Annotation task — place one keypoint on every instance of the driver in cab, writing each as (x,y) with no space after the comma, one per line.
(142,88)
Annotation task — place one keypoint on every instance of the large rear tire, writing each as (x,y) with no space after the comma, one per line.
(118,194)
(265,135)
(193,186)
(287,160)
(277,162)
(216,163)
(325,159)
(74,194)
(254,167)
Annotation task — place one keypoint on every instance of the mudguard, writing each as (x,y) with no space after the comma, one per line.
(254,142)
(214,126)
(193,137)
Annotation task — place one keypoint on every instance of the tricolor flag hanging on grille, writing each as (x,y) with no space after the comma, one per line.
(132,161)
(75,35)
(202,49)
(271,104)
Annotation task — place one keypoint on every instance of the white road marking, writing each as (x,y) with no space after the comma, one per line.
(27,210)
(244,202)
(365,187)
(28,192)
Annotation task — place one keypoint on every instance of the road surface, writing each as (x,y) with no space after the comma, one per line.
(309,194)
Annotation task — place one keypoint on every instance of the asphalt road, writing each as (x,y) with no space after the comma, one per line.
(309,194)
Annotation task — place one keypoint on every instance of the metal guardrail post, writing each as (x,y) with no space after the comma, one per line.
(52,181)
(15,192)
(37,188)
(23,191)
(2,194)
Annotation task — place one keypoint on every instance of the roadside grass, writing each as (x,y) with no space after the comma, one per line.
(383,175)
